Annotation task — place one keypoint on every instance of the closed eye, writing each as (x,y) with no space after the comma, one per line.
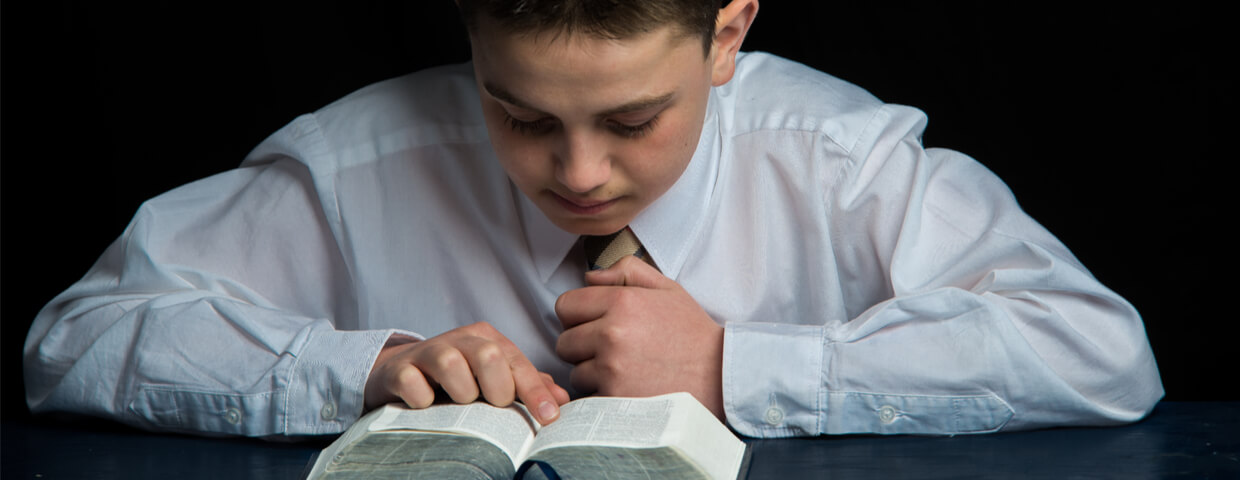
(524,127)
(544,125)
(634,131)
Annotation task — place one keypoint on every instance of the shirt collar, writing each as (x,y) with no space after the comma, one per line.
(670,225)
(548,244)
(666,228)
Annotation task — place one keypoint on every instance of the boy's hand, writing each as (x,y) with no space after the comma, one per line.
(461,362)
(634,332)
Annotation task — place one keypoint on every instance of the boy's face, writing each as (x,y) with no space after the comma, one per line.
(592,130)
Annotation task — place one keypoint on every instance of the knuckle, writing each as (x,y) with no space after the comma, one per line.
(609,368)
(613,333)
(449,360)
(489,353)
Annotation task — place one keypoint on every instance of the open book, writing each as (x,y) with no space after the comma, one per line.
(668,436)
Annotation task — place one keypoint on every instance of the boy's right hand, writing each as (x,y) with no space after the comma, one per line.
(462,362)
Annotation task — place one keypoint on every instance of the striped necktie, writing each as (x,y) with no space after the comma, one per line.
(603,251)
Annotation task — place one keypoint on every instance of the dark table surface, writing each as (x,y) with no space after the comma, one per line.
(1197,440)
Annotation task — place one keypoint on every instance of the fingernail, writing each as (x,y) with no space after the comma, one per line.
(547,411)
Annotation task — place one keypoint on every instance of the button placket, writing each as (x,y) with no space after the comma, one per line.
(774,415)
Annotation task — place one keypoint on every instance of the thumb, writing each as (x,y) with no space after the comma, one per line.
(629,271)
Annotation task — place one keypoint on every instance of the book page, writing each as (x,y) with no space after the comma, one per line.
(598,428)
(510,427)
(660,463)
(697,433)
(409,455)
(605,421)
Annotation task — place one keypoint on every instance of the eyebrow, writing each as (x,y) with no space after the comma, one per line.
(637,105)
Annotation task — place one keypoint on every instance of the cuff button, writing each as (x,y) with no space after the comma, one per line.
(887,414)
(232,416)
(328,412)
(774,415)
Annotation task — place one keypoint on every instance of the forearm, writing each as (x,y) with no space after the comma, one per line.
(948,361)
(191,362)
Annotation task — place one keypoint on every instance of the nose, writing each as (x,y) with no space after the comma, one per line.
(583,164)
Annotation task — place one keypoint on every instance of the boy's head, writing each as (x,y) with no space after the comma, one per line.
(595,107)
(610,19)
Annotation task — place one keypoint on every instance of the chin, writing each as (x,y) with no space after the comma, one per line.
(582,226)
(606,223)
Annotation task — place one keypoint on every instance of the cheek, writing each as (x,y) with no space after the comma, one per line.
(518,155)
(665,154)
(519,163)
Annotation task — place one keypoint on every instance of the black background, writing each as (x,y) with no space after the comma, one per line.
(1106,120)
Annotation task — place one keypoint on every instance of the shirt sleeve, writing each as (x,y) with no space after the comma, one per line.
(970,317)
(224,307)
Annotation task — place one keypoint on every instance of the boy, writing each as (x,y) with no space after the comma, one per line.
(801,264)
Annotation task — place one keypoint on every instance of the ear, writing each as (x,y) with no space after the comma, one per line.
(730,29)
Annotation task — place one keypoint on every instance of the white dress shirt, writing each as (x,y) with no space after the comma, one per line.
(865,284)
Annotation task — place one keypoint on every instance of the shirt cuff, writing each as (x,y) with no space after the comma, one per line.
(773,378)
(326,391)
(775,384)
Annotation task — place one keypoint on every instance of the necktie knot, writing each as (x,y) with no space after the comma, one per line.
(603,251)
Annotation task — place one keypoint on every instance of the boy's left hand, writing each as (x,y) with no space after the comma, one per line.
(634,332)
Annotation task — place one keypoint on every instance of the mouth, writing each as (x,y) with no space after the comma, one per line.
(583,206)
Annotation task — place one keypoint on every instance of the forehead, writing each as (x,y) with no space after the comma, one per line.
(546,64)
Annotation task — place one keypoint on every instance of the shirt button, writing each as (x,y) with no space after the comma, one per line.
(328,412)
(233,416)
(887,414)
(774,415)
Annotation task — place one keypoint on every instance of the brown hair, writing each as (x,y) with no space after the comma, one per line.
(610,19)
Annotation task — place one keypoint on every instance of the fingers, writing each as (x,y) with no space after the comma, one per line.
(577,344)
(393,378)
(629,271)
(516,374)
(533,391)
(582,305)
(560,394)
(585,378)
(447,366)
(414,389)
(465,363)
(489,365)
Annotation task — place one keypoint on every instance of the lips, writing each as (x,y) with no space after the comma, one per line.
(581,206)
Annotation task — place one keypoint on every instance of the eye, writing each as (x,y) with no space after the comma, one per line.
(525,127)
(634,131)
